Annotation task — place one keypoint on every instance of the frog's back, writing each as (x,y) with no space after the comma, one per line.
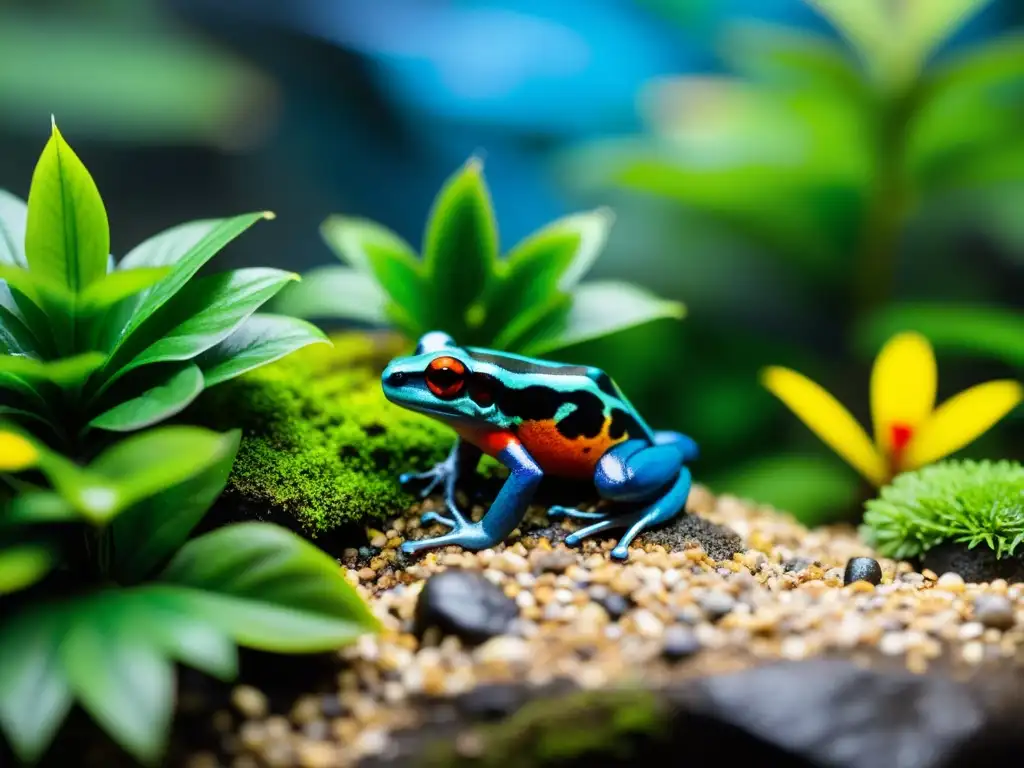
(566,416)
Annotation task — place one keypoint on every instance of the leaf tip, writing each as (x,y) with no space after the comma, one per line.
(268,215)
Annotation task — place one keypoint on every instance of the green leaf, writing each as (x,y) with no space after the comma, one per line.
(37,288)
(208,311)
(549,261)
(261,339)
(32,507)
(375,250)
(865,25)
(190,470)
(15,338)
(268,588)
(22,565)
(66,372)
(67,240)
(335,292)
(156,404)
(34,695)
(117,673)
(788,57)
(982,330)
(13,213)
(812,488)
(460,245)
(185,248)
(118,285)
(603,308)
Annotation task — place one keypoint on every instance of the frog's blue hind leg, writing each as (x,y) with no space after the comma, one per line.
(664,509)
(505,513)
(638,472)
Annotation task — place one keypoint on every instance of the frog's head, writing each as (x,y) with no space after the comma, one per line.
(438,380)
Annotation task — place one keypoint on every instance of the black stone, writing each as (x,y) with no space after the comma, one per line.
(862,569)
(614,604)
(679,642)
(465,604)
(974,565)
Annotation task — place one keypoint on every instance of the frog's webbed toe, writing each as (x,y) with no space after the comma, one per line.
(579,514)
(470,536)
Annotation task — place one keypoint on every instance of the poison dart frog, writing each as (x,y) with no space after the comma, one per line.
(537,418)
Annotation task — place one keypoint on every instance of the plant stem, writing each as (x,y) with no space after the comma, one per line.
(887,207)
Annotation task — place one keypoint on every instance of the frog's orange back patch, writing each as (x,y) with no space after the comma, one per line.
(559,455)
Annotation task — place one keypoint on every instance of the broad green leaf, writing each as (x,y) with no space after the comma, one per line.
(261,339)
(15,338)
(162,519)
(122,679)
(983,330)
(185,248)
(116,286)
(812,488)
(538,322)
(460,245)
(32,316)
(34,695)
(67,239)
(13,213)
(334,292)
(375,250)
(978,71)
(22,565)
(864,24)
(268,588)
(29,393)
(66,372)
(95,499)
(32,507)
(37,288)
(602,308)
(927,23)
(156,404)
(788,57)
(205,313)
(186,638)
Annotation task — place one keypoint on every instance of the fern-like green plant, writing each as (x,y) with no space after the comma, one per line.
(530,301)
(103,587)
(967,502)
(87,343)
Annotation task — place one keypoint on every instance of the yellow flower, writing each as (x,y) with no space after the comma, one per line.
(909,430)
(16,453)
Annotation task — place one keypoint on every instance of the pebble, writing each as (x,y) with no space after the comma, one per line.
(862,569)
(555,561)
(250,701)
(716,604)
(994,611)
(465,604)
(679,642)
(951,582)
(503,650)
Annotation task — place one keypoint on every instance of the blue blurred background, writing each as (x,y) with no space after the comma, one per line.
(186,109)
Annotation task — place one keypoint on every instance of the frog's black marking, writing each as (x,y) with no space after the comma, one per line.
(605,384)
(623,424)
(515,365)
(540,403)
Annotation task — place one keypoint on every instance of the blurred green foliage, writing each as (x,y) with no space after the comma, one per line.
(103,587)
(815,202)
(530,301)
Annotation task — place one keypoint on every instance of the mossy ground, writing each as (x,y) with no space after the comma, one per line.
(321,444)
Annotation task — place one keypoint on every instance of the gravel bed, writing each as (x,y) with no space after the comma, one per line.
(534,612)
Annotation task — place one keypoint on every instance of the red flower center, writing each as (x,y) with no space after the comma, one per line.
(900,435)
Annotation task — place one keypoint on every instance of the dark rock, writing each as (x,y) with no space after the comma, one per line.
(465,604)
(974,565)
(613,603)
(810,714)
(994,611)
(493,701)
(679,642)
(862,569)
(719,542)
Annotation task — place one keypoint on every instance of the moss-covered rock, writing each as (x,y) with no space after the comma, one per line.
(321,444)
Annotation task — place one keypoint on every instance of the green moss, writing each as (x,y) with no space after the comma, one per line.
(321,443)
(588,724)
(954,501)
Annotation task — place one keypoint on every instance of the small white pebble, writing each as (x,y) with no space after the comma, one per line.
(973,652)
(951,582)
(972,630)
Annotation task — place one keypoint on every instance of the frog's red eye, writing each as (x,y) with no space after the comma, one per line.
(481,389)
(446,377)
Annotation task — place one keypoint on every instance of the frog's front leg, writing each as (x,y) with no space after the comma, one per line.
(462,460)
(505,513)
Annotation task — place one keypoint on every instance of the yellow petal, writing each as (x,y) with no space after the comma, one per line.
(16,453)
(828,419)
(961,419)
(903,383)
